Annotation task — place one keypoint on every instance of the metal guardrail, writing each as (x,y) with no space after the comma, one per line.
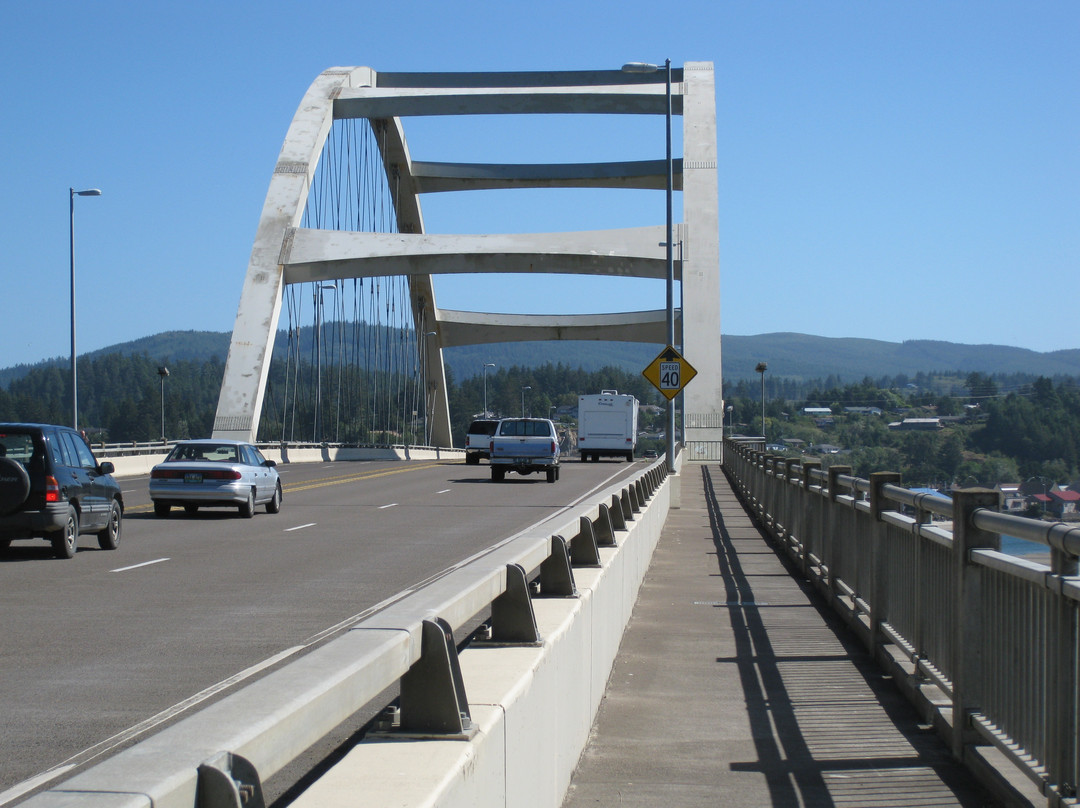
(105,451)
(985,642)
(220,756)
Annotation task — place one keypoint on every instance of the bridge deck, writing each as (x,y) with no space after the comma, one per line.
(734,686)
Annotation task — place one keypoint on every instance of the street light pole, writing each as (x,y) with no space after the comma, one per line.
(163,372)
(72,193)
(761,366)
(486,366)
(524,387)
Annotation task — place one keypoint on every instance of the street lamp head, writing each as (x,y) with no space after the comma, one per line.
(761,366)
(489,364)
(87,192)
(163,371)
(640,67)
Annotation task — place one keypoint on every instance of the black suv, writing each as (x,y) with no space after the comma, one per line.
(52,487)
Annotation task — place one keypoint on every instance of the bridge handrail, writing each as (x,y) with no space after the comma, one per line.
(938,603)
(105,451)
(220,755)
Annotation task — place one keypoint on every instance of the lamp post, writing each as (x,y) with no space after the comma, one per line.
(646,67)
(72,193)
(761,366)
(731,418)
(524,387)
(486,366)
(163,372)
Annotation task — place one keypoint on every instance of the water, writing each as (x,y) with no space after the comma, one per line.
(1022,547)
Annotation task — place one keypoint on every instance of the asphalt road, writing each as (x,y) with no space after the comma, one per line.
(99,649)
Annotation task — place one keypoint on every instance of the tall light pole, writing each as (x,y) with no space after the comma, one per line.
(524,387)
(163,372)
(645,67)
(72,193)
(486,366)
(761,366)
(731,419)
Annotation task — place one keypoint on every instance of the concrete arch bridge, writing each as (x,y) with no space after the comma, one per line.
(342,218)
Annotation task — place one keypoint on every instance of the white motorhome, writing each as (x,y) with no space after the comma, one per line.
(607,425)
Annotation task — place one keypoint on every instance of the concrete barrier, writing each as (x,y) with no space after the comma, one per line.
(136,465)
(533,706)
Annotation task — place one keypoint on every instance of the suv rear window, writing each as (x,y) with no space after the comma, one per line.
(531,429)
(483,427)
(17,445)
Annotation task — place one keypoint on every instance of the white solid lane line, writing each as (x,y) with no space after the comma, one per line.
(299,527)
(391,505)
(143,564)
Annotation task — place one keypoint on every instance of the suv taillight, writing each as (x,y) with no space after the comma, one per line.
(52,489)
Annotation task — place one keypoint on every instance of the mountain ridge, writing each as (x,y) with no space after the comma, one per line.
(788,355)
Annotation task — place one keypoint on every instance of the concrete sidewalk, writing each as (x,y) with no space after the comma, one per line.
(734,688)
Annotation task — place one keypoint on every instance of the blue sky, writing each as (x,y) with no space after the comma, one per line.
(887,170)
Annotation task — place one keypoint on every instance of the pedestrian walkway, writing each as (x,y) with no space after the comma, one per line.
(733,687)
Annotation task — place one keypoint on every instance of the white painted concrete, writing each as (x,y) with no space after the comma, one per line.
(534,707)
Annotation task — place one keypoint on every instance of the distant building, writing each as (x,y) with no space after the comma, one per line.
(816,411)
(923,424)
(862,410)
(1062,503)
(1011,498)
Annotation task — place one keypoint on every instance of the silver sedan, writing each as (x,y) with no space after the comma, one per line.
(199,473)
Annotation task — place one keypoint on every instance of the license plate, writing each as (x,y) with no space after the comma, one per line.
(193,477)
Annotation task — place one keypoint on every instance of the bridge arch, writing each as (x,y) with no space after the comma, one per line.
(285,252)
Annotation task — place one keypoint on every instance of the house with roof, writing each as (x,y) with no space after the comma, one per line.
(1062,503)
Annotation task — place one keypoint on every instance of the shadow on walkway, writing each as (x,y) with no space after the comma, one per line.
(734,686)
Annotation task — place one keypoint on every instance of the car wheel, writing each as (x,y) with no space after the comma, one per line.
(67,542)
(109,537)
(247,509)
(191,509)
(472,460)
(161,509)
(15,487)
(274,505)
(497,474)
(551,476)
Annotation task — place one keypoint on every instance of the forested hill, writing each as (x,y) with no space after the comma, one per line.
(789,355)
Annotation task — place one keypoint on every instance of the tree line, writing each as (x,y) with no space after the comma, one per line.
(996,429)
(1013,427)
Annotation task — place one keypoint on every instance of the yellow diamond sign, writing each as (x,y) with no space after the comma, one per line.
(669,373)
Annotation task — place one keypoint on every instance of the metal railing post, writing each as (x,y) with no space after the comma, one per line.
(968,640)
(880,557)
(836,525)
(1062,684)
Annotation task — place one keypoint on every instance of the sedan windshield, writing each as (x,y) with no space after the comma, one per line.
(213,452)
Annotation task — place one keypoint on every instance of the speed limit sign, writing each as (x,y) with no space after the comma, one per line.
(669,373)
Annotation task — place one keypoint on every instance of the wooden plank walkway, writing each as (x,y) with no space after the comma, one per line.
(734,686)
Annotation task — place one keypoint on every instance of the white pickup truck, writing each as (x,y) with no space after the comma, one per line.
(478,440)
(524,445)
